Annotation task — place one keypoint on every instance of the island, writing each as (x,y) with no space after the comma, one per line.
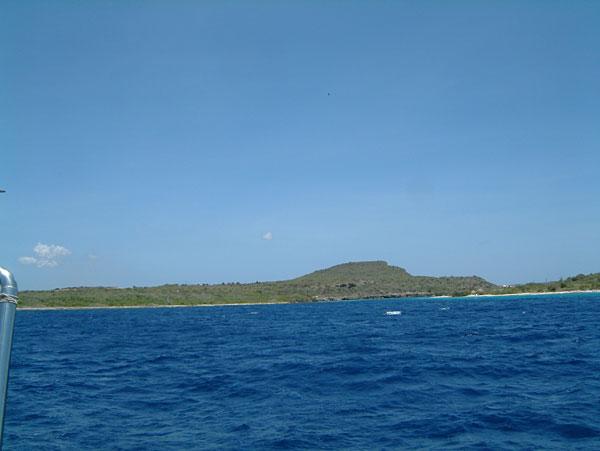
(354,280)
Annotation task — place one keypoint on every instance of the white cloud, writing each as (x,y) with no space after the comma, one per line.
(267,236)
(46,255)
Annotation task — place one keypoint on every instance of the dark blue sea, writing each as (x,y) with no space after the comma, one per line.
(465,373)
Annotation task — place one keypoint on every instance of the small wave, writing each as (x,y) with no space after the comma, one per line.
(576,431)
(393,312)
(241,428)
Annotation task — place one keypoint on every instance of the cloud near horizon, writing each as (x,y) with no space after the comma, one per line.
(46,255)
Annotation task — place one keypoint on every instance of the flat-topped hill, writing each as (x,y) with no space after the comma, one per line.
(378,278)
(356,271)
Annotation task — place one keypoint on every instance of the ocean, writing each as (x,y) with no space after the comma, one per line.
(461,373)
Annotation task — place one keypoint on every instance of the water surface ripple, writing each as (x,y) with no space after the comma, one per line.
(476,373)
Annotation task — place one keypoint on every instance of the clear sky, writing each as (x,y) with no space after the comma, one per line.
(147,142)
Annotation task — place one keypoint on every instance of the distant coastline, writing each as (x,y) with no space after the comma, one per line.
(348,281)
(530,293)
(111,307)
(239,304)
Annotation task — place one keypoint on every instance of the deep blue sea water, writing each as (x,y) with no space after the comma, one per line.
(469,373)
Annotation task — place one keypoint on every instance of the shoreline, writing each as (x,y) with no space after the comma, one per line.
(541,293)
(239,304)
(101,307)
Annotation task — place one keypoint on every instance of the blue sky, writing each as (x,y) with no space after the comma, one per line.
(160,142)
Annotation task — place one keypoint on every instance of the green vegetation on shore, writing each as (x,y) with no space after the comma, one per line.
(360,280)
(581,282)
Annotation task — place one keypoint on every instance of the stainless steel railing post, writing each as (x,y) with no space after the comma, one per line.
(8,306)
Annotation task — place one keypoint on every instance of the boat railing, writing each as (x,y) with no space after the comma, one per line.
(9,296)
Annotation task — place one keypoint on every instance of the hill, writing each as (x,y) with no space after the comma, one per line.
(378,279)
(353,280)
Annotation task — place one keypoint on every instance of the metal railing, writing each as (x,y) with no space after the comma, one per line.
(8,306)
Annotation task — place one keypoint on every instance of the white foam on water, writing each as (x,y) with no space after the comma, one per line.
(393,312)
